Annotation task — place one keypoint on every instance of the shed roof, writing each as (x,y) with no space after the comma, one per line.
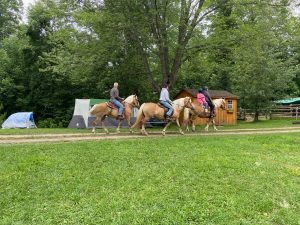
(213,93)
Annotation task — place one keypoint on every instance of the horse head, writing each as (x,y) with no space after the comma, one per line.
(136,102)
(188,103)
(223,104)
(133,101)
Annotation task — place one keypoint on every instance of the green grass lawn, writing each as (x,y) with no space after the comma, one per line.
(171,180)
(275,123)
(42,131)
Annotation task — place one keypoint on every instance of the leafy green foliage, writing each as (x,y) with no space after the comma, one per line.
(10,16)
(248,52)
(78,49)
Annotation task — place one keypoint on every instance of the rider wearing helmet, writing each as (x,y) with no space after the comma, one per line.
(208,99)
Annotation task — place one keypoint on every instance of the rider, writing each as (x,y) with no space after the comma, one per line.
(201,100)
(165,100)
(116,100)
(204,91)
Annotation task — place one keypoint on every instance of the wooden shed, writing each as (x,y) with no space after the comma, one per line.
(228,116)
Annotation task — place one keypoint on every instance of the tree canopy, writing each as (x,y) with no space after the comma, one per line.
(78,49)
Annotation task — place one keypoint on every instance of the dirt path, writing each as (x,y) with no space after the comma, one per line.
(50,138)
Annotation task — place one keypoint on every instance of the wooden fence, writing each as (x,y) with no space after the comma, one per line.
(279,111)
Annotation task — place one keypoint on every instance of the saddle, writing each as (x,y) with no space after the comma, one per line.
(161,106)
(112,105)
(165,109)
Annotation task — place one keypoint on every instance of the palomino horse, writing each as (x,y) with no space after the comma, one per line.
(102,110)
(149,110)
(191,115)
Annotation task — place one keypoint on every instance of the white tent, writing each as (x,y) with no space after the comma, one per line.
(82,107)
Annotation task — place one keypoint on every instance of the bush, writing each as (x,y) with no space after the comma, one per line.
(3,115)
(47,123)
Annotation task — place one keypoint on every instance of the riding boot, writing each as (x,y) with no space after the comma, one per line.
(120,117)
(168,119)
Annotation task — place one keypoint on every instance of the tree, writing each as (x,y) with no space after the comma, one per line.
(161,31)
(49,94)
(10,16)
(9,51)
(262,68)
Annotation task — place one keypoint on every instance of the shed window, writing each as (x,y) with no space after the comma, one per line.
(230,105)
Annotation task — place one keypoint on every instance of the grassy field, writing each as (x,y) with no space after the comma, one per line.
(275,123)
(172,180)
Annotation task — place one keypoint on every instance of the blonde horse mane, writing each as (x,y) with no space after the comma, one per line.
(179,103)
(129,99)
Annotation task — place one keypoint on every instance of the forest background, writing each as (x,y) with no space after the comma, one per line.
(69,49)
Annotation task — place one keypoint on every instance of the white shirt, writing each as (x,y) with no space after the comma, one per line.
(164,95)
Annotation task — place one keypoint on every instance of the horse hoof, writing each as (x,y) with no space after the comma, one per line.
(144,133)
(163,133)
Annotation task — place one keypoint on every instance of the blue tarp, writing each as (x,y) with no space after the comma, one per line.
(19,120)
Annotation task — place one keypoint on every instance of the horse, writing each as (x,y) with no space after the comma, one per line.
(102,110)
(149,110)
(191,115)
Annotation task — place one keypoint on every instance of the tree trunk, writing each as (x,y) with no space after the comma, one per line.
(256,116)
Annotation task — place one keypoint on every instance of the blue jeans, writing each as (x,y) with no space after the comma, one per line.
(119,106)
(205,105)
(168,106)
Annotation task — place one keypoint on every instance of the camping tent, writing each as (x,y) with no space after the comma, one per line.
(19,120)
(82,118)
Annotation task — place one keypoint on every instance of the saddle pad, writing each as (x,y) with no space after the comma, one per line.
(161,106)
(111,105)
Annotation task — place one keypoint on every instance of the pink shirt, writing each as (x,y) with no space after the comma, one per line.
(201,98)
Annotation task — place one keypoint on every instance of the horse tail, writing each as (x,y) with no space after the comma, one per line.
(92,110)
(139,116)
